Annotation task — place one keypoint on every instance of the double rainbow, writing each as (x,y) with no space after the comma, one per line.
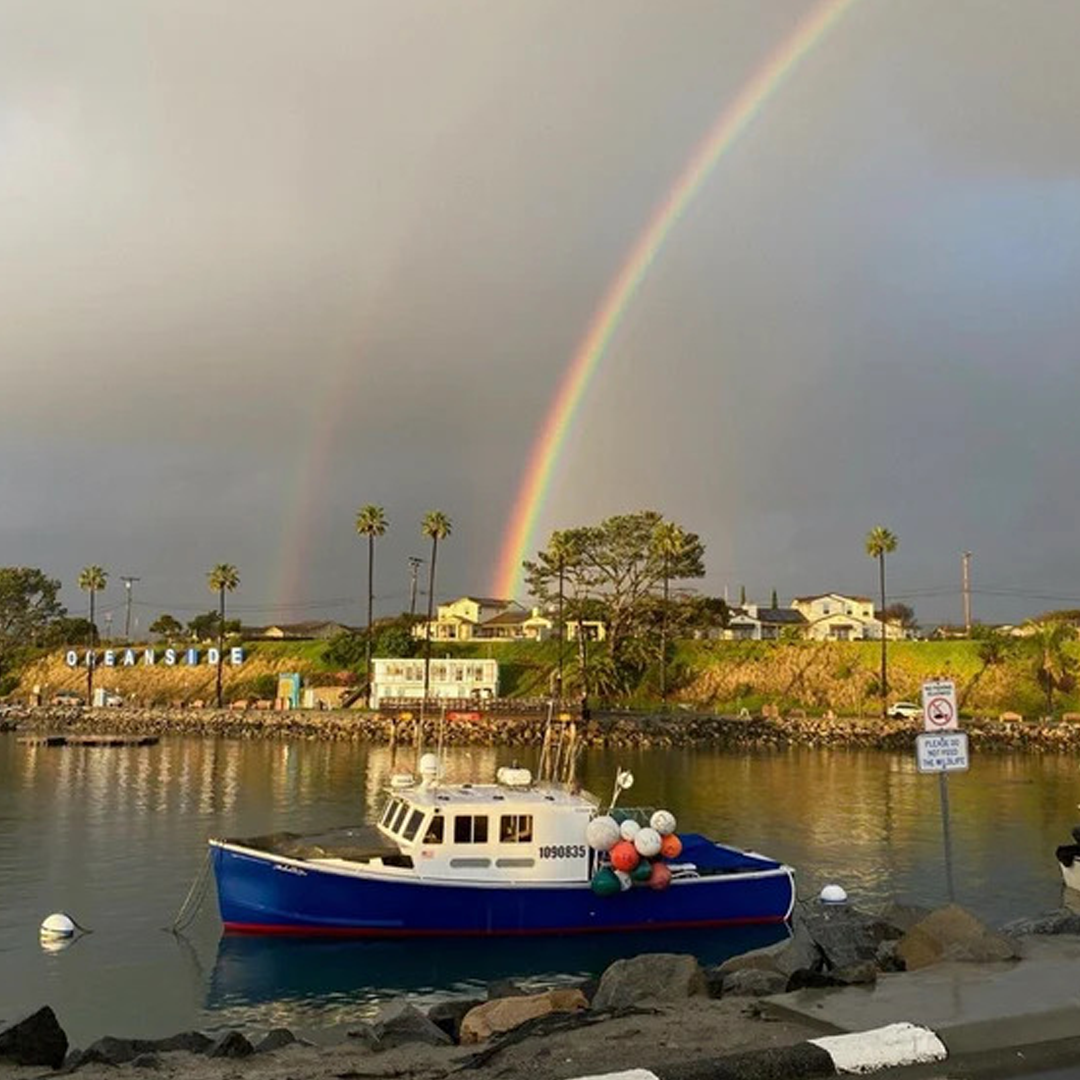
(519,534)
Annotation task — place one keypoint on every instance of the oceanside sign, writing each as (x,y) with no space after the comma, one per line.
(149,657)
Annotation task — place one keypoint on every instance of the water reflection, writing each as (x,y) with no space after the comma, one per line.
(115,837)
(259,971)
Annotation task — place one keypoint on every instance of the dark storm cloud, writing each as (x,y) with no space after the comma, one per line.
(265,260)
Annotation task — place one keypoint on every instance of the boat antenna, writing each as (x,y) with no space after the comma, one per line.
(545,746)
(442,729)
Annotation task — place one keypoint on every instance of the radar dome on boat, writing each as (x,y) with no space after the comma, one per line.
(602,833)
(58,925)
(429,766)
(629,829)
(833,894)
(511,776)
(663,821)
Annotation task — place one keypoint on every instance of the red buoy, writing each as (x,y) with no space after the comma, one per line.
(660,878)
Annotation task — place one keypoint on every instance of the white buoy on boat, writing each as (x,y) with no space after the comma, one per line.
(833,894)
(58,926)
(647,842)
(629,828)
(602,833)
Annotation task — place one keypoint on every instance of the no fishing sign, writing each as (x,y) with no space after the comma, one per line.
(939,706)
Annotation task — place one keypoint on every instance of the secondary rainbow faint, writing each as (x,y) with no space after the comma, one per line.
(519,535)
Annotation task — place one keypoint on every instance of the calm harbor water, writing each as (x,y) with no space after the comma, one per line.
(116,836)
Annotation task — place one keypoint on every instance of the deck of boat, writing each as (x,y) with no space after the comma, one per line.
(355,843)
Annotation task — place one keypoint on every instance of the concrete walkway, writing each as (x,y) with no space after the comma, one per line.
(972,1007)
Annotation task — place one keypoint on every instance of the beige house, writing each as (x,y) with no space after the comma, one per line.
(474,618)
(836,617)
(458,620)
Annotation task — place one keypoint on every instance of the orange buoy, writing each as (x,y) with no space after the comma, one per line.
(670,846)
(624,856)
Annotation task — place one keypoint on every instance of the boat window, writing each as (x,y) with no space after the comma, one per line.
(399,817)
(474,863)
(515,829)
(470,829)
(434,834)
(413,824)
(390,805)
(506,864)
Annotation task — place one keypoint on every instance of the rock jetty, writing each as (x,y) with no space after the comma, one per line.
(614,729)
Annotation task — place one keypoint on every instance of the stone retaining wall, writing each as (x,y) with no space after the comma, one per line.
(615,730)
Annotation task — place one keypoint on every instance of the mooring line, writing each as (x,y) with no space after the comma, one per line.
(194,899)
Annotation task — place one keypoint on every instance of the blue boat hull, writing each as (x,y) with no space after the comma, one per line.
(265,894)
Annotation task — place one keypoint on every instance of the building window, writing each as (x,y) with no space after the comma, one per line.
(515,829)
(434,834)
(470,829)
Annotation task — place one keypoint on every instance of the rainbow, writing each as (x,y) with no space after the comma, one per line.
(519,535)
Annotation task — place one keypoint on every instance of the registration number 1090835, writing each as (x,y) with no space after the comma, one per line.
(563,851)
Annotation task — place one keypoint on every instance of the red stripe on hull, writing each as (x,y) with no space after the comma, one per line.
(379,932)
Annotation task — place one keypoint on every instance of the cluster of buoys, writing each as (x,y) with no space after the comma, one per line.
(634,852)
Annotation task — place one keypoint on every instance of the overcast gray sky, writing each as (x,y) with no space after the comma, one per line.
(266,261)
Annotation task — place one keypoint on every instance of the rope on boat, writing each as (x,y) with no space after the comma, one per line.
(193,901)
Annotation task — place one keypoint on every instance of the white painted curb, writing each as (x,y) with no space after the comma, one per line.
(882,1048)
(629,1074)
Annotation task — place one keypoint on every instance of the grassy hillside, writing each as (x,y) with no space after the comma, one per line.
(724,676)
(161,685)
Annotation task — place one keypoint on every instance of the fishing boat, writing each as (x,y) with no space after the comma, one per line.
(517,856)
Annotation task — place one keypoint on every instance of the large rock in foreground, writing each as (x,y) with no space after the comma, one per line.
(652,977)
(397,1023)
(1062,921)
(796,953)
(504,1014)
(37,1040)
(951,933)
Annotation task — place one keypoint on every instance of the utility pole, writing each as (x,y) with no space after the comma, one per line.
(128,582)
(414,569)
(965,566)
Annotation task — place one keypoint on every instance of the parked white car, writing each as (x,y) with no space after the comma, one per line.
(905,710)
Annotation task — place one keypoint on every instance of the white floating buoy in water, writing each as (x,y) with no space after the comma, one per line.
(58,926)
(833,894)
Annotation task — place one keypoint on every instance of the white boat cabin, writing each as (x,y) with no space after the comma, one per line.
(501,833)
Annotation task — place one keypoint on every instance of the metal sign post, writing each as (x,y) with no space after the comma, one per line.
(943,753)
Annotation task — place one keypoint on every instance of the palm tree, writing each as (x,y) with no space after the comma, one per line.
(879,543)
(436,526)
(669,542)
(370,522)
(222,579)
(562,550)
(1053,665)
(92,579)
